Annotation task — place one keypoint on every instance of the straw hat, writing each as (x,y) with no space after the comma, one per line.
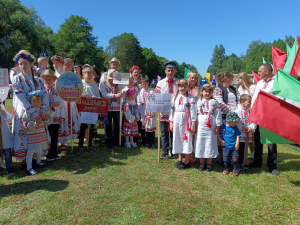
(114,59)
(48,73)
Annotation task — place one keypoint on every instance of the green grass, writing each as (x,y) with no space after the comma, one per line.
(128,186)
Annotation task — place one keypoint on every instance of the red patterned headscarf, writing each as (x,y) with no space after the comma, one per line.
(57,58)
(135,68)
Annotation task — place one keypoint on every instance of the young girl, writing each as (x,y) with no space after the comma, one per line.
(209,122)
(246,84)
(183,123)
(194,90)
(147,118)
(36,128)
(130,128)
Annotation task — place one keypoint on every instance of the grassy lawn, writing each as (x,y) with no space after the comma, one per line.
(128,186)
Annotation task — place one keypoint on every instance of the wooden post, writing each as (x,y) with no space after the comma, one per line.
(88,137)
(1,146)
(158,130)
(71,121)
(120,129)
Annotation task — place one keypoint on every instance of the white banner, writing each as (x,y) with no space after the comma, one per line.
(159,102)
(88,118)
(121,78)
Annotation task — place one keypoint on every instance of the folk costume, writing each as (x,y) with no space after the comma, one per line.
(209,117)
(130,127)
(22,85)
(182,115)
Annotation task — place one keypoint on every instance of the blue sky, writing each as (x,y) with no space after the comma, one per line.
(185,31)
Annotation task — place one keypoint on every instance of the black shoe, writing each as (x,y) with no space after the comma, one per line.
(10,171)
(254,165)
(153,146)
(201,168)
(174,156)
(56,157)
(208,169)
(183,166)
(41,164)
(146,146)
(31,172)
(164,156)
(178,163)
(49,158)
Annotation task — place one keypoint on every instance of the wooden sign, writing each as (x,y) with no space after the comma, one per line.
(94,105)
(69,87)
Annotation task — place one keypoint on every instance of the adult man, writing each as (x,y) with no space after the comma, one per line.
(114,64)
(68,64)
(265,84)
(112,92)
(167,86)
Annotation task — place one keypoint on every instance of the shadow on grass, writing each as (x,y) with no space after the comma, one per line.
(27,187)
(296,183)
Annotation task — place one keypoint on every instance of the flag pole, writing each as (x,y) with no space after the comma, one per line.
(120,128)
(88,137)
(158,130)
(71,122)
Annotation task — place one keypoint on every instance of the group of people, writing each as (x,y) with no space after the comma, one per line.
(202,123)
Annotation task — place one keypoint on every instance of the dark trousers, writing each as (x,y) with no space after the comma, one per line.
(166,137)
(241,152)
(150,138)
(113,116)
(234,155)
(83,128)
(141,131)
(53,132)
(272,152)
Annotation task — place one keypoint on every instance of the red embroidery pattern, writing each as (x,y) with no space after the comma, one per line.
(171,86)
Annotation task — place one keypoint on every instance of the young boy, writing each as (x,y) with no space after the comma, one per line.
(247,128)
(56,110)
(90,90)
(229,137)
(42,65)
(147,118)
(7,138)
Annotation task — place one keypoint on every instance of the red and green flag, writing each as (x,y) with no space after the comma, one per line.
(296,64)
(279,58)
(186,71)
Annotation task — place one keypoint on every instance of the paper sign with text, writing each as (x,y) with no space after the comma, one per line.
(94,105)
(69,87)
(121,78)
(89,118)
(159,102)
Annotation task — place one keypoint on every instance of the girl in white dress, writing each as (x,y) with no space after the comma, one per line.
(209,122)
(183,123)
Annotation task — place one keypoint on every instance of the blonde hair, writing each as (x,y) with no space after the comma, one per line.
(87,69)
(181,82)
(207,87)
(221,76)
(196,88)
(42,58)
(246,80)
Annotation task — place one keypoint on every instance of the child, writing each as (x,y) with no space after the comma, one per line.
(246,84)
(56,110)
(58,65)
(147,118)
(37,141)
(229,137)
(209,122)
(183,123)
(90,90)
(247,129)
(42,64)
(130,128)
(7,138)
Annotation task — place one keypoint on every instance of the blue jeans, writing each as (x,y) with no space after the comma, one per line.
(8,157)
(234,155)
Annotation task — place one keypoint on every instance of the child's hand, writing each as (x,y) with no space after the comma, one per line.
(43,115)
(217,130)
(171,126)
(223,143)
(61,122)
(118,95)
(0,125)
(39,122)
(249,130)
(244,128)
(237,146)
(46,118)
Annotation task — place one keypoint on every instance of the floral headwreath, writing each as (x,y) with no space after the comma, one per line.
(37,93)
(130,92)
(24,55)
(135,68)
(57,58)
(209,85)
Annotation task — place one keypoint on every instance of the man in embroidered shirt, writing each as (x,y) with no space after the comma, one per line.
(114,64)
(265,84)
(167,86)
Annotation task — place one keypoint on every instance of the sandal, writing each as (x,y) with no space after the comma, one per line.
(201,167)
(208,169)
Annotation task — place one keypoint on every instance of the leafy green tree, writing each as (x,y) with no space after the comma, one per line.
(21,28)
(152,63)
(75,40)
(217,60)
(233,64)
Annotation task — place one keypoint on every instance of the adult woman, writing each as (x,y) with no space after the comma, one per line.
(246,84)
(96,75)
(22,84)
(227,96)
(78,70)
(194,90)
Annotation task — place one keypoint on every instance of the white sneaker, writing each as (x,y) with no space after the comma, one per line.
(133,145)
(127,145)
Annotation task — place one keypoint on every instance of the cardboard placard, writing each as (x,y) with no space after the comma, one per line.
(94,105)
(159,102)
(89,118)
(121,78)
